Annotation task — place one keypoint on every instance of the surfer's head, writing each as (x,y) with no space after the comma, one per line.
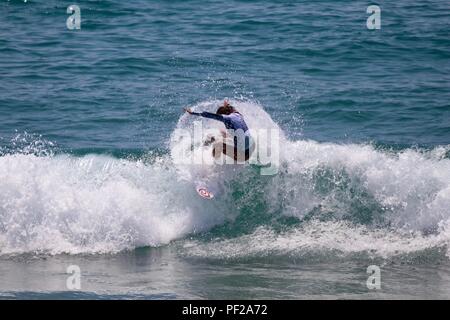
(226,108)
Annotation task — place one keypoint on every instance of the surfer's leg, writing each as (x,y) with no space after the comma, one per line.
(243,156)
(239,156)
(242,153)
(218,148)
(232,151)
(249,151)
(227,149)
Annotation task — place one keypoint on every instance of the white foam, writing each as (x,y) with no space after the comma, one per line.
(93,204)
(320,238)
(412,187)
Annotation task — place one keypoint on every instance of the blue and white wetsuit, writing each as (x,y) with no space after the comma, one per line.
(234,121)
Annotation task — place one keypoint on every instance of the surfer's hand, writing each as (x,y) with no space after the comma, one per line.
(188,110)
(224,133)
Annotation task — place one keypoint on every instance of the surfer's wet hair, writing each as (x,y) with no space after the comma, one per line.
(228,109)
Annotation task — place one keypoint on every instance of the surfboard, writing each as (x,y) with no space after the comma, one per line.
(204,192)
(205,179)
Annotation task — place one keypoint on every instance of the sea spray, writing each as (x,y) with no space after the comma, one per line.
(345,198)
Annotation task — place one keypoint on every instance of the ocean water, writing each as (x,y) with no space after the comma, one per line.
(88,170)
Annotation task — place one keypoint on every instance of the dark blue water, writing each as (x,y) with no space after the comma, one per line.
(86,118)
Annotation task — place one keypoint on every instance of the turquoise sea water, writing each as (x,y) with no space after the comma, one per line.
(87,173)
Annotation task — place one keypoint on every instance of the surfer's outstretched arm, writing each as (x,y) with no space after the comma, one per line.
(209,115)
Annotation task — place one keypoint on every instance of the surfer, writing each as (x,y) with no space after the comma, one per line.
(242,146)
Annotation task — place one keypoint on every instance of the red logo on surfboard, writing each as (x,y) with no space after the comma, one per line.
(204,193)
